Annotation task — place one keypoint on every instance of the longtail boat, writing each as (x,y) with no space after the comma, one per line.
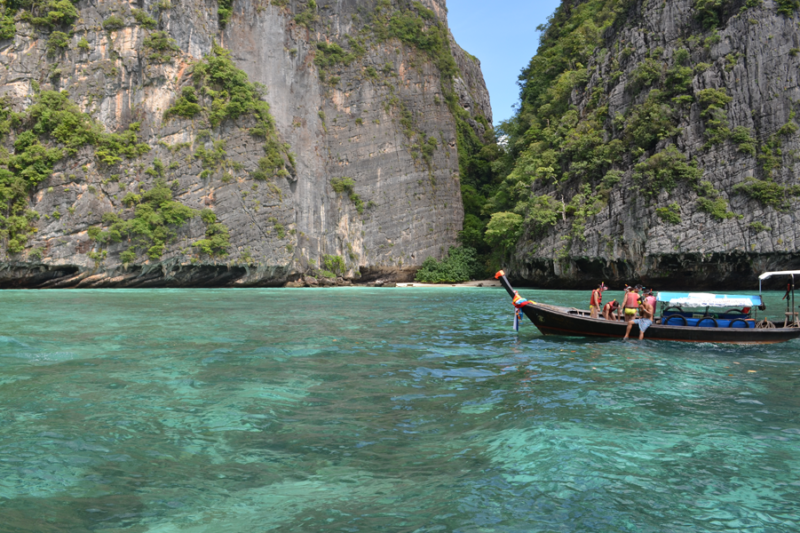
(734,326)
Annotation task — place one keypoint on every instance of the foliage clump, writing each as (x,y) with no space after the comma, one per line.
(213,158)
(744,141)
(143,19)
(52,128)
(8,27)
(308,16)
(221,92)
(347,185)
(329,55)
(503,229)
(161,47)
(647,73)
(156,217)
(651,122)
(716,207)
(113,23)
(111,148)
(57,42)
(46,14)
(334,264)
(417,27)
(186,106)
(664,170)
(712,105)
(231,93)
(787,8)
(670,214)
(224,11)
(460,265)
(217,241)
(768,193)
(758,227)
(710,12)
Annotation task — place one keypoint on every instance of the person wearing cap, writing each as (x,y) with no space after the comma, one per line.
(596,301)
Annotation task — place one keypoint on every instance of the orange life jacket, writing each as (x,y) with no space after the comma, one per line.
(597,298)
(632,300)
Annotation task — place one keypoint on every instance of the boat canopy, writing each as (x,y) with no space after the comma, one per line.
(767,275)
(702,299)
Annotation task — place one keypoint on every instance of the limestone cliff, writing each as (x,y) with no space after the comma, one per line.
(162,166)
(657,141)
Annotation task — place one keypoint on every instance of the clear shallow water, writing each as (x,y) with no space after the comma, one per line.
(206,411)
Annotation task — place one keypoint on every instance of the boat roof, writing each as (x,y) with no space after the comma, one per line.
(767,275)
(703,299)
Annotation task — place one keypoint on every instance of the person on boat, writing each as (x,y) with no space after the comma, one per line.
(646,312)
(630,306)
(651,300)
(611,310)
(596,301)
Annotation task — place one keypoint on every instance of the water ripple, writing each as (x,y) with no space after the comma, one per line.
(205,411)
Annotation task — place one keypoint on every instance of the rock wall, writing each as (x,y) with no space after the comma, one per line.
(717,228)
(372,188)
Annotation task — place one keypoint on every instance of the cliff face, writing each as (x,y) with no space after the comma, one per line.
(662,147)
(351,171)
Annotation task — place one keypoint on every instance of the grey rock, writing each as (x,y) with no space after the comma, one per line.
(411,210)
(626,241)
(327,282)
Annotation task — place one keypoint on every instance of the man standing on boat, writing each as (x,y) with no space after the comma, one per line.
(630,306)
(596,301)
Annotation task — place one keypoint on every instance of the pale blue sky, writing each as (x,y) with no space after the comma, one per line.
(502,34)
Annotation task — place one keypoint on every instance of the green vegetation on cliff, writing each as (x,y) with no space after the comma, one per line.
(221,92)
(418,27)
(224,11)
(566,152)
(460,265)
(51,129)
(156,216)
(553,144)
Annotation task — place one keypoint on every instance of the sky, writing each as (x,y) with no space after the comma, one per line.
(502,34)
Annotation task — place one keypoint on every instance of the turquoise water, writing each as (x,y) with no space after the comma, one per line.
(418,410)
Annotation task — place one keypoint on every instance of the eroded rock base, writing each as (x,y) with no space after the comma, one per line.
(717,271)
(175,275)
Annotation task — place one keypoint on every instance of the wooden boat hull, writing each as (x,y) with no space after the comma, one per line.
(553,320)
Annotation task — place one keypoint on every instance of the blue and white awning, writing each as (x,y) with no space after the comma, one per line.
(767,275)
(702,299)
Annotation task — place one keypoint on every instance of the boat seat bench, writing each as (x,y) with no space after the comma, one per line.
(674,320)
